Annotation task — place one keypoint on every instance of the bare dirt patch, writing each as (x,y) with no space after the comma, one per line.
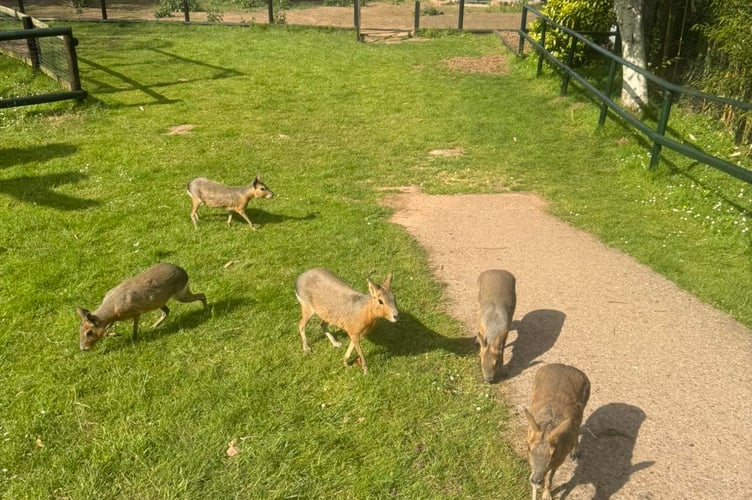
(671,385)
(489,64)
(447,153)
(180,129)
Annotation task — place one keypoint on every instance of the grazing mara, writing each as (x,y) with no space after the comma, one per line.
(231,198)
(496,302)
(146,292)
(322,293)
(560,393)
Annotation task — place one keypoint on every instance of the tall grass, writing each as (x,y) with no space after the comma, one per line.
(93,193)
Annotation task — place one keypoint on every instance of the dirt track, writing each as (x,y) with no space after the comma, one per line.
(671,386)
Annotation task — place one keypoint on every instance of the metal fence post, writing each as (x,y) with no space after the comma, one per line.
(270,9)
(416,25)
(356,14)
(655,154)
(461,20)
(523,29)
(32,43)
(186,16)
(103,8)
(570,60)
(21,7)
(609,88)
(539,69)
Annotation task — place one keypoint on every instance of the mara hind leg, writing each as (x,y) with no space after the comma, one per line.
(184,295)
(164,311)
(306,311)
(324,328)
(195,203)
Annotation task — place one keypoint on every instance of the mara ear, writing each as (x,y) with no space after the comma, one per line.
(82,313)
(481,340)
(553,436)
(373,288)
(531,421)
(387,281)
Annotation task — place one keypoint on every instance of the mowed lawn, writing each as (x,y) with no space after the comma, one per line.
(225,403)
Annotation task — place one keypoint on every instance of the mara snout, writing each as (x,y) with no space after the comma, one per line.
(322,293)
(497,299)
(135,296)
(232,198)
(559,396)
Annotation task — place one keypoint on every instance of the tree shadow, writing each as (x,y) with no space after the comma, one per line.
(35,154)
(39,190)
(410,337)
(536,334)
(607,444)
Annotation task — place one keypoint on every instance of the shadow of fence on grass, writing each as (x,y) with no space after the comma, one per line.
(10,157)
(39,190)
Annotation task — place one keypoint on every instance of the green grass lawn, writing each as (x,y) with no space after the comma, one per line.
(91,194)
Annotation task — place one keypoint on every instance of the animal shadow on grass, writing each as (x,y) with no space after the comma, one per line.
(606,446)
(178,319)
(263,218)
(536,334)
(409,337)
(10,157)
(39,190)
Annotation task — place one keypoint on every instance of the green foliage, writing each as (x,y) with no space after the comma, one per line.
(431,11)
(726,68)
(580,15)
(166,8)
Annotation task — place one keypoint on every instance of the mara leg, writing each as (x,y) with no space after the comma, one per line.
(349,352)
(360,353)
(135,327)
(164,312)
(184,295)
(195,203)
(547,484)
(335,342)
(242,213)
(306,312)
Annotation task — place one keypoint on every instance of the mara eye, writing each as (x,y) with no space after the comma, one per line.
(381,302)
(89,333)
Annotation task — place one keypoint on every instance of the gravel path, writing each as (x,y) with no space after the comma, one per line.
(671,385)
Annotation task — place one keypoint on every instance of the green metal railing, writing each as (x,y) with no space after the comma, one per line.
(669,91)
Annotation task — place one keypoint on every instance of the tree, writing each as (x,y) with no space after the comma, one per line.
(630,19)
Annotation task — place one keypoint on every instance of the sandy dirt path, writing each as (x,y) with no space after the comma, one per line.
(671,382)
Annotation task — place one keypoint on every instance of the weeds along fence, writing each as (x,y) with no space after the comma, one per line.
(669,93)
(49,50)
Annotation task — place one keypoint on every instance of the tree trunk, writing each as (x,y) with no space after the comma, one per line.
(629,17)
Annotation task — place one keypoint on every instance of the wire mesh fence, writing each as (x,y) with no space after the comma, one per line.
(43,49)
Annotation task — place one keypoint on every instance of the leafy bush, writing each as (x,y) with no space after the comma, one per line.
(726,68)
(165,8)
(579,15)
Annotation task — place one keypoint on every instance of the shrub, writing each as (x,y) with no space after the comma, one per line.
(579,15)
